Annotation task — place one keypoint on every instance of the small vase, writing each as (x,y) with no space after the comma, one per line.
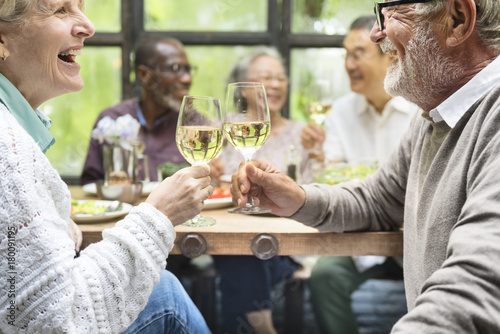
(120,165)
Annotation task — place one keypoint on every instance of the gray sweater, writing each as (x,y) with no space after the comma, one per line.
(445,185)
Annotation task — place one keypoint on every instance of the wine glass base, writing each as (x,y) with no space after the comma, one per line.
(199,221)
(250,210)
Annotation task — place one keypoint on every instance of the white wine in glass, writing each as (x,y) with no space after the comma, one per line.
(199,137)
(319,106)
(247,126)
(318,111)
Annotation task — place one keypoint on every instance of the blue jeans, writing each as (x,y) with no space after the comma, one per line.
(169,310)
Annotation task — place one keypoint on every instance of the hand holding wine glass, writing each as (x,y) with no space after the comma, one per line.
(247,126)
(199,136)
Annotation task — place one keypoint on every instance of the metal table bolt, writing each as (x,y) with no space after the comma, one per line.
(264,246)
(192,245)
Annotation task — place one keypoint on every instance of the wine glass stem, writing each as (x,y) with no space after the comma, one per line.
(249,194)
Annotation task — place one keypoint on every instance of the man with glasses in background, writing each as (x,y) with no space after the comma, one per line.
(164,73)
(364,126)
(443,179)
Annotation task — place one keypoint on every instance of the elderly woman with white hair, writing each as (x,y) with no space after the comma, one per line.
(45,289)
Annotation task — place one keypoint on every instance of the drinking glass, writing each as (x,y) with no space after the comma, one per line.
(199,137)
(319,106)
(247,126)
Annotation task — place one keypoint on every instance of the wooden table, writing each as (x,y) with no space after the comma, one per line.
(262,236)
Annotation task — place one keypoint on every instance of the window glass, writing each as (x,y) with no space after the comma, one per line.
(214,64)
(202,15)
(73,115)
(104,14)
(331,17)
(328,65)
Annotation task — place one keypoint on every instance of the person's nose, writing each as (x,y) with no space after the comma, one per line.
(83,28)
(186,78)
(377,35)
(350,63)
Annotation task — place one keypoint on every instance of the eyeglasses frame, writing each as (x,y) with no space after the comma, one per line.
(176,69)
(378,6)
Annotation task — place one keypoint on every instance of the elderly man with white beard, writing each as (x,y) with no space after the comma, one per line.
(442,181)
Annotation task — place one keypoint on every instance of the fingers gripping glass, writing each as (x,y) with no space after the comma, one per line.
(379,5)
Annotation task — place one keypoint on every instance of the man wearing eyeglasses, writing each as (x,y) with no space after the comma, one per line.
(164,73)
(364,126)
(443,179)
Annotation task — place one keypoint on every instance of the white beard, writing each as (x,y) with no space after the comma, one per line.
(425,73)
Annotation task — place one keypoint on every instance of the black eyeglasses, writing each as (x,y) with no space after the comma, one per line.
(377,8)
(177,69)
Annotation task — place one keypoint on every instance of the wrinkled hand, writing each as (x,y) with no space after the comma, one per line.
(75,234)
(180,197)
(311,134)
(271,188)
(216,170)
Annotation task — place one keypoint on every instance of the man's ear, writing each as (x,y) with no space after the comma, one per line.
(143,73)
(461,21)
(146,77)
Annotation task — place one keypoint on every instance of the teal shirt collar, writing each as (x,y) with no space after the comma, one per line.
(36,123)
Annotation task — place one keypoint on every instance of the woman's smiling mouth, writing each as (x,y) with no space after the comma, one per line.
(70,55)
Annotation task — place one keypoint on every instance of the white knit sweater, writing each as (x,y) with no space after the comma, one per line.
(43,289)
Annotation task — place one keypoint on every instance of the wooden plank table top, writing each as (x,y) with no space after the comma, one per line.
(263,236)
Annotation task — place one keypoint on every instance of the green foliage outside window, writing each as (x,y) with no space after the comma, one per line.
(104,14)
(327,16)
(202,15)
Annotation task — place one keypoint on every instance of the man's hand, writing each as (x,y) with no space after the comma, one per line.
(312,134)
(271,188)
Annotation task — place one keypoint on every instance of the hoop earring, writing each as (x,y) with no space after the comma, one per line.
(4,57)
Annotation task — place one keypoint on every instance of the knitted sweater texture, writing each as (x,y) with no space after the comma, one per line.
(43,289)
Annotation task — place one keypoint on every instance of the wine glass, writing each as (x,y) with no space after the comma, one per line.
(199,137)
(247,126)
(319,106)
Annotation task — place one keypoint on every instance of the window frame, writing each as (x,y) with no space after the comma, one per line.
(278,34)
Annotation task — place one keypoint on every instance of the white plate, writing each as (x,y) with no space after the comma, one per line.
(217,203)
(226,178)
(99,217)
(147,188)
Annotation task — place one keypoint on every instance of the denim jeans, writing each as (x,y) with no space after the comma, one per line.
(169,310)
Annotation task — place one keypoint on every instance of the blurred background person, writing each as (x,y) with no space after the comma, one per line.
(246,281)
(363,126)
(164,73)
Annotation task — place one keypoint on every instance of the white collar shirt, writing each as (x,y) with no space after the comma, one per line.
(454,107)
(356,132)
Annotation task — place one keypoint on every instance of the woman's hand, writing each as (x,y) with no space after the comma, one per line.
(312,134)
(216,170)
(271,188)
(75,234)
(180,197)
